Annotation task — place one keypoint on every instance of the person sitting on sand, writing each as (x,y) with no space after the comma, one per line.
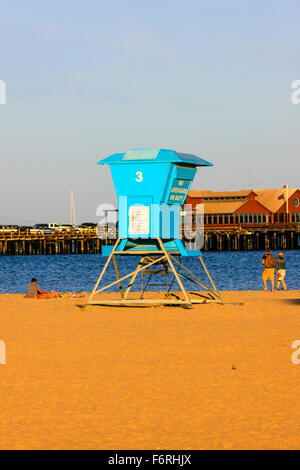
(269,269)
(280,266)
(35,292)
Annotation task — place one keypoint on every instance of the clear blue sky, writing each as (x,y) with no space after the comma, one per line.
(88,78)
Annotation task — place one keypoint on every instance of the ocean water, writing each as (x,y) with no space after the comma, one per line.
(65,273)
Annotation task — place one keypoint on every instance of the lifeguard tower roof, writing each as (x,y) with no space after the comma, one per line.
(154,154)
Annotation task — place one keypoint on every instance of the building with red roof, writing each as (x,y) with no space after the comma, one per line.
(248,208)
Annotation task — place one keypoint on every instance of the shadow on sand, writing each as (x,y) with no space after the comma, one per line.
(291,301)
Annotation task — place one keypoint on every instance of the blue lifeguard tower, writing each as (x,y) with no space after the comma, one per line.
(151,186)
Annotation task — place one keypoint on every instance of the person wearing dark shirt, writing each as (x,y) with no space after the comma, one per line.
(280,266)
(268,262)
(34,289)
(35,292)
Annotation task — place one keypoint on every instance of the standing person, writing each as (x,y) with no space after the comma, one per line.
(268,262)
(280,266)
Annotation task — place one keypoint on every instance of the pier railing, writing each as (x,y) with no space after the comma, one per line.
(37,233)
(246,227)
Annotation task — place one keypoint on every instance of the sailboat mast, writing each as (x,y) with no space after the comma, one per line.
(72,209)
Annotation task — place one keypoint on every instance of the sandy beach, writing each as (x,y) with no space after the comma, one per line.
(211,377)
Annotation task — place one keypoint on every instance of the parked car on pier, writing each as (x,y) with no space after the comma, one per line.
(89,224)
(9,228)
(44,227)
(25,228)
(28,229)
(87,227)
(68,228)
(62,227)
(55,227)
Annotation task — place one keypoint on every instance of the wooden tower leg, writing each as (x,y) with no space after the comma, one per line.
(210,278)
(118,276)
(135,273)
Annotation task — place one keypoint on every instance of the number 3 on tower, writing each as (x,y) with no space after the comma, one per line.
(139,176)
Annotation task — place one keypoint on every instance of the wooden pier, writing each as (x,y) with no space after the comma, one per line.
(242,239)
(18,243)
(215,239)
